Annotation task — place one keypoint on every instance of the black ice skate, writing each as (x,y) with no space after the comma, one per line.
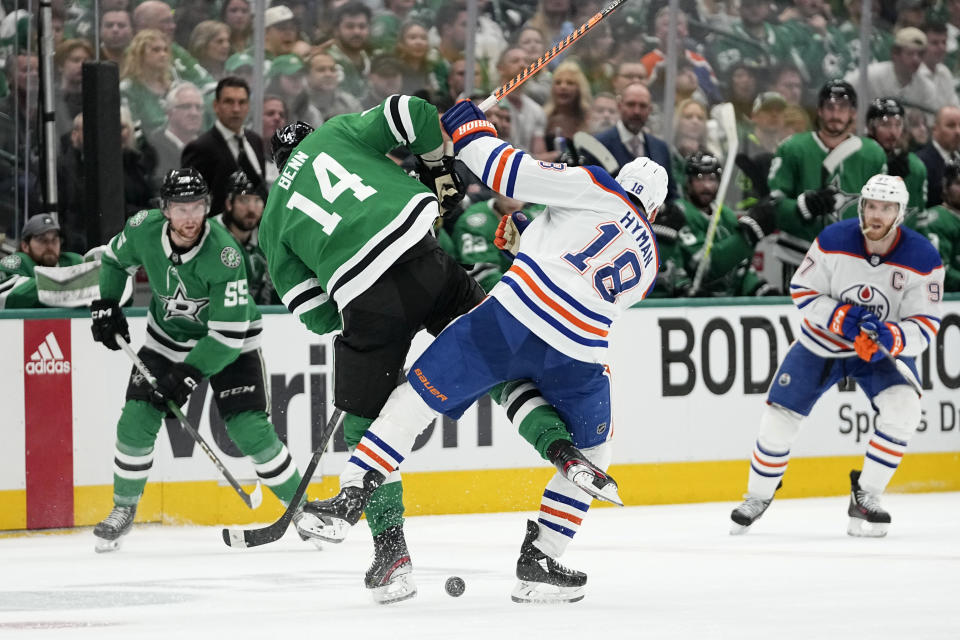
(390,576)
(867,518)
(749,512)
(113,527)
(575,467)
(344,509)
(542,579)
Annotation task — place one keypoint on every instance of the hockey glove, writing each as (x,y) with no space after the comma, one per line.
(669,221)
(847,319)
(440,176)
(759,221)
(813,204)
(464,122)
(508,233)
(898,164)
(108,321)
(176,385)
(886,334)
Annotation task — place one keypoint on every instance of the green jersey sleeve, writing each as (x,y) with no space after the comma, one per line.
(399,121)
(120,259)
(228,319)
(19,292)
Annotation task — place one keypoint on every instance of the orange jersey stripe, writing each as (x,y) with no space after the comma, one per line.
(873,443)
(547,300)
(561,514)
(825,336)
(500,167)
(383,463)
(804,293)
(926,323)
(768,464)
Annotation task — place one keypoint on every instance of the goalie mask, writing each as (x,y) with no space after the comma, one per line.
(645,182)
(885,189)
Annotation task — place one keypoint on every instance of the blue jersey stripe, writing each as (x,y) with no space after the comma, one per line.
(771,453)
(493,156)
(556,527)
(512,181)
(827,346)
(765,474)
(563,295)
(383,445)
(801,305)
(549,319)
(881,461)
(559,497)
(363,465)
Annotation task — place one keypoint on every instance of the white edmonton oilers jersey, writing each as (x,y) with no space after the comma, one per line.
(589,255)
(904,286)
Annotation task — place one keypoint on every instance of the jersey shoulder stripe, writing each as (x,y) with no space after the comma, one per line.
(563,295)
(843,237)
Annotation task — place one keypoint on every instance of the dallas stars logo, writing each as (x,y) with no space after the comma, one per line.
(180,306)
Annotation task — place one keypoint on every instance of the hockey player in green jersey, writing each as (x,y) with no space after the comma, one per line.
(347,236)
(942,227)
(39,246)
(201,323)
(815,171)
(473,235)
(730,272)
(241,215)
(885,121)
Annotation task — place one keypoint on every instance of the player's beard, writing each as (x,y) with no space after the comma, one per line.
(49,259)
(187,233)
(835,126)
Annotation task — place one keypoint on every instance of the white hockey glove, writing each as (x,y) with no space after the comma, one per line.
(508,232)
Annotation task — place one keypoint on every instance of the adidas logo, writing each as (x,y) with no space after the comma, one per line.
(48,358)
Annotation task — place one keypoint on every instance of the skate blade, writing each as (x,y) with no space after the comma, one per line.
(860,528)
(401,587)
(739,529)
(334,531)
(541,593)
(607,493)
(107,546)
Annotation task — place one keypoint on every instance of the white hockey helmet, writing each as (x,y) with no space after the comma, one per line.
(646,181)
(886,189)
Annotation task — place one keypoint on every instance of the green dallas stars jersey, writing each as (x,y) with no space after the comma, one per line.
(942,227)
(342,212)
(200,312)
(798,167)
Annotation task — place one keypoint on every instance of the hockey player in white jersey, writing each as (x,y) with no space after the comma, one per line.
(866,288)
(588,256)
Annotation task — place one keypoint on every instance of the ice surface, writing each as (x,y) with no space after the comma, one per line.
(654,572)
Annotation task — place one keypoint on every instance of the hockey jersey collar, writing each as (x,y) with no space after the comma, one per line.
(173,255)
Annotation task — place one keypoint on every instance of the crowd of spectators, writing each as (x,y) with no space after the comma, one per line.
(185,66)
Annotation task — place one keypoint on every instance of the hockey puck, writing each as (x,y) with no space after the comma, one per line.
(455,586)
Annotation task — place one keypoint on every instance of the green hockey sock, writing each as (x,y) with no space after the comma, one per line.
(133,456)
(537,422)
(255,437)
(385,508)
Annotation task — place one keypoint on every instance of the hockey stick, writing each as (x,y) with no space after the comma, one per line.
(727,119)
(272,532)
(501,92)
(838,154)
(583,141)
(252,499)
(901,366)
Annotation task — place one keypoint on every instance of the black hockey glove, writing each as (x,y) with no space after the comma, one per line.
(440,176)
(759,221)
(813,204)
(898,164)
(108,321)
(669,221)
(176,385)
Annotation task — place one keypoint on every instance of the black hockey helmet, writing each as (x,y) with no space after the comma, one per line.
(837,89)
(951,173)
(285,139)
(183,185)
(884,108)
(701,163)
(238,184)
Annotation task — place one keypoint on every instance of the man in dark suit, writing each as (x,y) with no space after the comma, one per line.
(944,147)
(626,140)
(227,146)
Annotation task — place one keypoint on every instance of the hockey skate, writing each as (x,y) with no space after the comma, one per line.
(867,518)
(311,528)
(390,576)
(113,527)
(542,579)
(749,512)
(577,469)
(342,511)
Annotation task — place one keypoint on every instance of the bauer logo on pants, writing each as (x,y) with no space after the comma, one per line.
(47,358)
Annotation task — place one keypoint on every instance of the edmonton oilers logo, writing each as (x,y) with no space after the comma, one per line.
(784,379)
(868,296)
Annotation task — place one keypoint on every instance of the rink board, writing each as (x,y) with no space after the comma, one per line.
(689,384)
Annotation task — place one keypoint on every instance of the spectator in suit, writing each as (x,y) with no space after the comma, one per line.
(627,140)
(184,122)
(227,146)
(942,149)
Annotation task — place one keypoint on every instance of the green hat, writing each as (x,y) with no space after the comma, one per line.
(285,65)
(238,60)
